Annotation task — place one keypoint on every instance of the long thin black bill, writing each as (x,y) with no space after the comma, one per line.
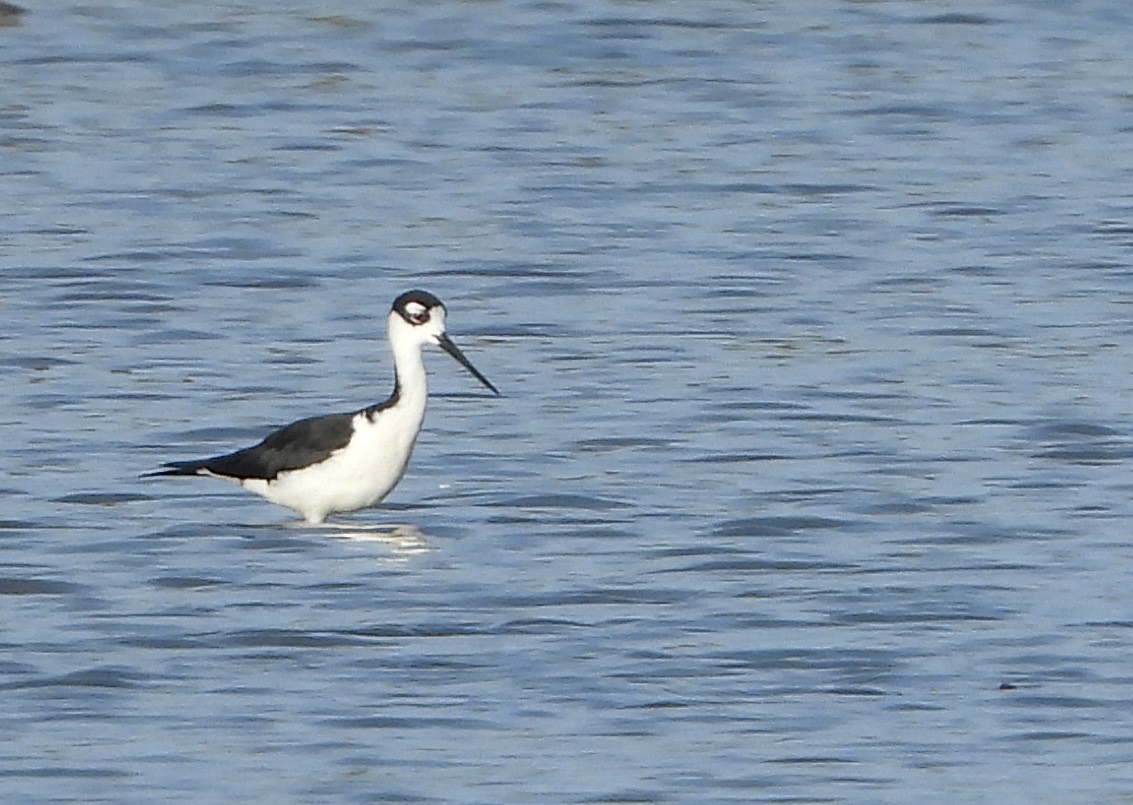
(446,344)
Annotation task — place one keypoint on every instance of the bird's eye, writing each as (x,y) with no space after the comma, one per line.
(416,313)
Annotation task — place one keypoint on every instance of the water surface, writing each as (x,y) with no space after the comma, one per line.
(809,481)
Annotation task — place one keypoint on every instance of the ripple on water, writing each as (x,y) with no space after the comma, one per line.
(37,586)
(1077,442)
(101,677)
(778,526)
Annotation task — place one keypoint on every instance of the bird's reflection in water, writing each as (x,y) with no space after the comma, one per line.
(402,541)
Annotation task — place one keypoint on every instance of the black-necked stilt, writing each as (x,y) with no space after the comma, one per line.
(344,462)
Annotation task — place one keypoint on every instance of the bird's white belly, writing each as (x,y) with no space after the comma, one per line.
(359,475)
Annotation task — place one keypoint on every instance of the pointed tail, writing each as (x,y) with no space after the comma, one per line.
(177,468)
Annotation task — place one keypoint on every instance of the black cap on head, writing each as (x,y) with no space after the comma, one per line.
(423,298)
(420,297)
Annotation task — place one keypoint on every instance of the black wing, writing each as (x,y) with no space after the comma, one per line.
(293,447)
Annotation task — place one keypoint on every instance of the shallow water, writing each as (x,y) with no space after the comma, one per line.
(809,481)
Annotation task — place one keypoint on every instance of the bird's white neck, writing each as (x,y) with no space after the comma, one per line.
(409,366)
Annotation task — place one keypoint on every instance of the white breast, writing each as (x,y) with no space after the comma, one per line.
(355,477)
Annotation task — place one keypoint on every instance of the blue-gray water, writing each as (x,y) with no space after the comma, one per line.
(811,479)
